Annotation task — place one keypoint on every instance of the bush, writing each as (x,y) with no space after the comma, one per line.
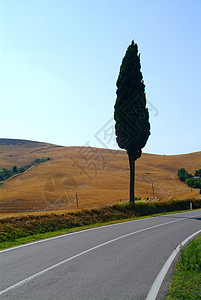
(198,172)
(189,179)
(22,169)
(13,228)
(6,174)
(15,169)
(190,182)
(183,174)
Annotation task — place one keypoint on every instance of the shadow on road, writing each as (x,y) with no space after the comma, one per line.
(180,217)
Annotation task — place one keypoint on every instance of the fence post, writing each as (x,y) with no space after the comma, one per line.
(76,200)
(153,190)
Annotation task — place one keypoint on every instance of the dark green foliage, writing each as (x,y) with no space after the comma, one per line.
(36,161)
(132,126)
(197,183)
(190,182)
(24,168)
(194,183)
(183,174)
(131,115)
(198,172)
(189,179)
(6,174)
(15,169)
(40,160)
(14,228)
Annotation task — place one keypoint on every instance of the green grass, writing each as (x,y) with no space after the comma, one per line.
(186,280)
(40,236)
(19,230)
(46,235)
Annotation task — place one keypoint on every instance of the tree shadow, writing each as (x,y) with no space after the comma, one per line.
(181,217)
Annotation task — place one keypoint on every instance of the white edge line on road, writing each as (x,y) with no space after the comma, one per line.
(85,230)
(71,233)
(82,253)
(161,275)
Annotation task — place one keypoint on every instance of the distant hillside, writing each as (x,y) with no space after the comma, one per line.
(97,176)
(16,151)
(18,142)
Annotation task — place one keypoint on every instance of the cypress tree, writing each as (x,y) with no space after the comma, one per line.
(132,125)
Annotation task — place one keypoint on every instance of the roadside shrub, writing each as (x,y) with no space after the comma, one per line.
(13,228)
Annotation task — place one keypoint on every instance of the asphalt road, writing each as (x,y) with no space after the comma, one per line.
(113,262)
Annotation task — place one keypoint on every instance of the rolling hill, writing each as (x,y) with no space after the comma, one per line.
(90,176)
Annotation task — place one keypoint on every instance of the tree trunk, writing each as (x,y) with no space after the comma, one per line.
(132,177)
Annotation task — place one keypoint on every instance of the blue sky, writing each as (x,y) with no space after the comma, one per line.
(60,60)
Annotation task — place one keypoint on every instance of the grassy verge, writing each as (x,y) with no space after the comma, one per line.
(19,230)
(46,235)
(186,280)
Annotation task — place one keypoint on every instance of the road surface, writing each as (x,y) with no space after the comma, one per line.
(119,261)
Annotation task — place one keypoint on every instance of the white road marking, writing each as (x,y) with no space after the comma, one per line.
(72,233)
(85,230)
(82,253)
(161,275)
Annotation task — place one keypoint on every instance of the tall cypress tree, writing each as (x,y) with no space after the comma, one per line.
(130,113)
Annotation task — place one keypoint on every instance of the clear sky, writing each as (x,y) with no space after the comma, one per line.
(60,59)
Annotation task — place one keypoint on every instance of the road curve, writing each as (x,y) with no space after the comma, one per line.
(119,261)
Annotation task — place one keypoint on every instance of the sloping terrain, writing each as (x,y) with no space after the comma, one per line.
(17,152)
(86,176)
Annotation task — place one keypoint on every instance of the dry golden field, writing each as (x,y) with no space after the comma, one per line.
(97,176)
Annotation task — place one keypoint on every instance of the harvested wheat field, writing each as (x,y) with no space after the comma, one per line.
(89,177)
